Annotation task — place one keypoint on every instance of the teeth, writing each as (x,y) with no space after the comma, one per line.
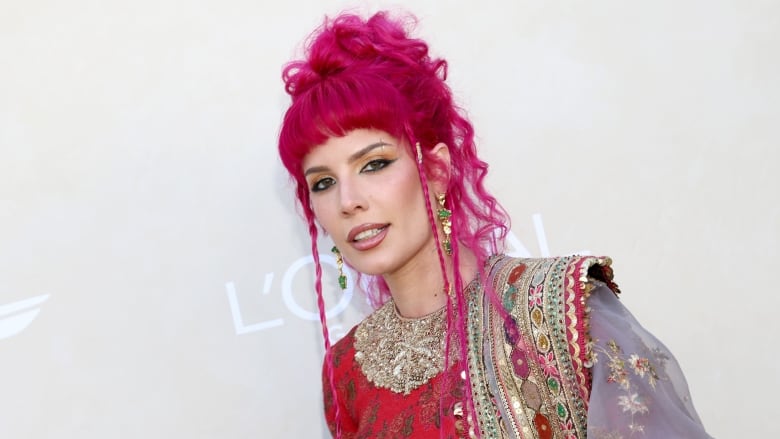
(367,234)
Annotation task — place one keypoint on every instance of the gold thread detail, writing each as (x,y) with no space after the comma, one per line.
(399,353)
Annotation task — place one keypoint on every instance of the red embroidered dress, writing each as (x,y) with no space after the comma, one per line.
(541,362)
(371,412)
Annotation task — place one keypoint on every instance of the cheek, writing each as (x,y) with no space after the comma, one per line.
(323,214)
(410,190)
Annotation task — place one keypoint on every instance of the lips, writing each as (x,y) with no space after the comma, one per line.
(367,236)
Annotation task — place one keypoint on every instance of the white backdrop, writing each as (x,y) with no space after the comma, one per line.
(151,280)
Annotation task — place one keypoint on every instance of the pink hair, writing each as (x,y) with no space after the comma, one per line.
(360,73)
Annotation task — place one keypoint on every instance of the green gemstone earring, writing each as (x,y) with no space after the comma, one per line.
(340,267)
(444,215)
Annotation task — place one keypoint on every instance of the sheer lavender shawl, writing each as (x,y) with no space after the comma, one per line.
(638,389)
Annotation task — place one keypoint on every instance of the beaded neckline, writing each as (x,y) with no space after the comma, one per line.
(399,353)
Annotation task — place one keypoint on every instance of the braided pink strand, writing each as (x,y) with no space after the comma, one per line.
(324,324)
(461,323)
(455,318)
(418,154)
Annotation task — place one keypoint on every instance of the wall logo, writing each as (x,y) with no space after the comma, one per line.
(15,317)
(287,296)
(516,248)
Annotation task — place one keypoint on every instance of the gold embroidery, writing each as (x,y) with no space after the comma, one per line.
(543,342)
(532,365)
(570,296)
(398,353)
(537,317)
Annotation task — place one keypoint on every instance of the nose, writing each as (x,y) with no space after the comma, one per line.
(351,197)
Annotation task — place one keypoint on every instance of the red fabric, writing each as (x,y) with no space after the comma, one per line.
(577,334)
(371,412)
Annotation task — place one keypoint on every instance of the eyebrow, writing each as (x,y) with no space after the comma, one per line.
(352,158)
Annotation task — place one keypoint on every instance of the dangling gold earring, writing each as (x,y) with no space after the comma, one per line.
(444,215)
(340,267)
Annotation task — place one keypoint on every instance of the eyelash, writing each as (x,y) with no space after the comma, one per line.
(379,164)
(372,166)
(318,185)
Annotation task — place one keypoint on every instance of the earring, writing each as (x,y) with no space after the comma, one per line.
(340,267)
(444,215)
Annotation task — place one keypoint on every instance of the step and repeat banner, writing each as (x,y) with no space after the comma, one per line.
(156,278)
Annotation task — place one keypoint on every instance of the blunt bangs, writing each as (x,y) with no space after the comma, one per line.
(335,106)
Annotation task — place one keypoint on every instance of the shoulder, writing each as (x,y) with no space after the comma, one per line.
(575,274)
(536,308)
(340,364)
(344,350)
(547,298)
(338,394)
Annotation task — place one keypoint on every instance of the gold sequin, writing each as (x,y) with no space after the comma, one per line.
(543,342)
(536,316)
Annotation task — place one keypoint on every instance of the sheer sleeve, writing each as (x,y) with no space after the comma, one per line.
(638,389)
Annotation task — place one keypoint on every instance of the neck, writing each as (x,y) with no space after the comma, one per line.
(418,288)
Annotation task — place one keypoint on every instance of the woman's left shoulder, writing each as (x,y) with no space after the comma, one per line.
(577,274)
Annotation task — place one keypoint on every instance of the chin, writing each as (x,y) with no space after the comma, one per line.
(372,271)
(375,267)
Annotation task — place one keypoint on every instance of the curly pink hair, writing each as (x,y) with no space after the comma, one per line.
(369,73)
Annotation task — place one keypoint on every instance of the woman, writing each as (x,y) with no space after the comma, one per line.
(465,342)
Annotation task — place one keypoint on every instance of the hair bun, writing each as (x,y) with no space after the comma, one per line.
(349,41)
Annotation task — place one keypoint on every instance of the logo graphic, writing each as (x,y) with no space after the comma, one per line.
(516,248)
(287,296)
(15,317)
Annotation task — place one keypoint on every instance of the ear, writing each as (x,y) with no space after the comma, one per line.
(440,169)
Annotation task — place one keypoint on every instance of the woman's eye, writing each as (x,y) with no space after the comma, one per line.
(322,184)
(375,165)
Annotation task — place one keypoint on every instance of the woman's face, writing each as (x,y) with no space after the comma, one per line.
(366,193)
